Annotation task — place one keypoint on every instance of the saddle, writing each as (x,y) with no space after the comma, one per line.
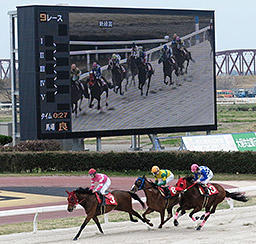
(168,191)
(109,199)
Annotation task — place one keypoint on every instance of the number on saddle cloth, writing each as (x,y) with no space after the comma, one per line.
(212,190)
(110,199)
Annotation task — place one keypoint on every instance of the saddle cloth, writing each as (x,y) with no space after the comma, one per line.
(211,189)
(109,199)
(170,188)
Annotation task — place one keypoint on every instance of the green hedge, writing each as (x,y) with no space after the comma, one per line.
(219,162)
(5,140)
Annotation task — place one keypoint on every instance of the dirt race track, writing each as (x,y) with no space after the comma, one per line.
(225,226)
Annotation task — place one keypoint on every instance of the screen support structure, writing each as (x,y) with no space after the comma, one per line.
(13,57)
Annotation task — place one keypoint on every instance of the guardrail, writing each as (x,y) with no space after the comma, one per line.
(49,209)
(148,53)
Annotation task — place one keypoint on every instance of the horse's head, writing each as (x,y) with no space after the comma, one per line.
(183,183)
(91,80)
(72,200)
(139,184)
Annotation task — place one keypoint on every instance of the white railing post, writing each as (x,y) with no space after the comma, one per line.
(35,223)
(106,219)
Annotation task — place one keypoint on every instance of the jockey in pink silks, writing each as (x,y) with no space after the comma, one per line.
(103,181)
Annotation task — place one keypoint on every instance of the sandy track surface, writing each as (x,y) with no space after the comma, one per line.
(225,226)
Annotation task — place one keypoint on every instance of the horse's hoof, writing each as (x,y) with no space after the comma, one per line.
(106,104)
(175,222)
(75,239)
(150,224)
(160,227)
(198,227)
(80,109)
(134,220)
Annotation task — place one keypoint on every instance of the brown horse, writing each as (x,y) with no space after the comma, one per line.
(88,200)
(155,199)
(193,199)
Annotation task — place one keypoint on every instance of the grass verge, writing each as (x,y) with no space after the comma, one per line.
(77,221)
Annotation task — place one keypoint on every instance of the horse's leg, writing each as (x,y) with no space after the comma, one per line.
(90,104)
(75,109)
(149,80)
(186,71)
(132,219)
(86,221)
(195,210)
(162,218)
(206,215)
(97,222)
(98,103)
(106,96)
(148,211)
(133,212)
(120,87)
(80,103)
(177,215)
(165,79)
(127,81)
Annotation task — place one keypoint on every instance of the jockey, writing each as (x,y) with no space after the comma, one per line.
(134,51)
(181,45)
(167,52)
(75,73)
(202,176)
(96,70)
(162,177)
(116,58)
(142,55)
(102,179)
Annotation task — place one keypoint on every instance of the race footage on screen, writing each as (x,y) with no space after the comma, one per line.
(140,71)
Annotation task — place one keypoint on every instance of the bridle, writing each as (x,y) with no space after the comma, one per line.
(141,187)
(75,200)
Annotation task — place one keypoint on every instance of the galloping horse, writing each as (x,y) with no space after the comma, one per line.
(168,67)
(181,56)
(88,200)
(77,93)
(155,200)
(96,89)
(132,66)
(145,73)
(192,199)
(118,75)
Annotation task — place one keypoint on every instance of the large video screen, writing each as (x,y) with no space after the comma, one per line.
(106,71)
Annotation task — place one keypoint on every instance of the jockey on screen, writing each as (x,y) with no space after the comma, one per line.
(116,58)
(134,51)
(96,69)
(202,176)
(103,182)
(162,177)
(75,73)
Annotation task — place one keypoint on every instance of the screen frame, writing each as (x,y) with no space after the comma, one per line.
(140,131)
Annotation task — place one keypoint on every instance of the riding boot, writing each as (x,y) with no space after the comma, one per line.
(103,204)
(167,193)
(206,192)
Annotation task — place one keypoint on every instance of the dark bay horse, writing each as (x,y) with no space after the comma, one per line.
(133,67)
(96,89)
(145,73)
(155,200)
(192,199)
(118,75)
(88,200)
(78,91)
(181,56)
(168,67)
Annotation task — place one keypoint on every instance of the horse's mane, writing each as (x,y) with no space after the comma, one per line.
(189,178)
(86,190)
(150,182)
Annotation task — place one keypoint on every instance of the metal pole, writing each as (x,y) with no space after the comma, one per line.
(134,143)
(98,144)
(197,29)
(88,62)
(13,77)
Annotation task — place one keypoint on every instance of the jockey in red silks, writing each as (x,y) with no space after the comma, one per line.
(103,181)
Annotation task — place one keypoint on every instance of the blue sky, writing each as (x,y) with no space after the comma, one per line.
(234,19)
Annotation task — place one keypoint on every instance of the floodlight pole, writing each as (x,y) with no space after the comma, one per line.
(13,52)
(98,144)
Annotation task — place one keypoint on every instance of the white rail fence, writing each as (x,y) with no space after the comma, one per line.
(49,209)
(188,38)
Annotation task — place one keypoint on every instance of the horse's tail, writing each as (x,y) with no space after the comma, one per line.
(136,197)
(237,196)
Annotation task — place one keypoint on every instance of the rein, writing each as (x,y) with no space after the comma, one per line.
(190,186)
